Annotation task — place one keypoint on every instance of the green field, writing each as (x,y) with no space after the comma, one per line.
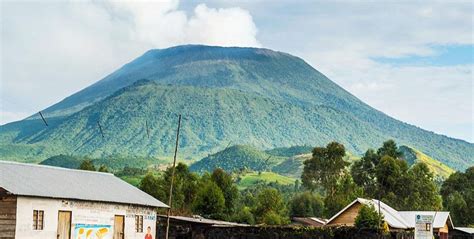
(252,178)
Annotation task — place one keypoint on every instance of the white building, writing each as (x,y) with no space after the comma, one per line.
(49,202)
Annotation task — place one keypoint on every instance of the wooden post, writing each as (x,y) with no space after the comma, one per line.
(172,179)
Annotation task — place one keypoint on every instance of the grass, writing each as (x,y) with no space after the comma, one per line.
(252,178)
(435,166)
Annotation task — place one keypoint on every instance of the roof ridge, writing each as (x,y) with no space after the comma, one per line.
(53,167)
(397,217)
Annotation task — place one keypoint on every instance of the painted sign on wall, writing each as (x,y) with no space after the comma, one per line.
(92,231)
(423,226)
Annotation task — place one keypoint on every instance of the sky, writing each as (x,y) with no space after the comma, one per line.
(412,60)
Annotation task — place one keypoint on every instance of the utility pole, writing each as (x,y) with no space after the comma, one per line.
(100,129)
(44,120)
(172,179)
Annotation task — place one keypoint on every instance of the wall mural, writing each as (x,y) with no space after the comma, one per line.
(92,231)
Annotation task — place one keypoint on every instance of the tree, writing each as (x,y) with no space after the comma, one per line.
(244,215)
(368,218)
(272,218)
(151,184)
(270,203)
(391,180)
(324,168)
(103,169)
(184,188)
(423,194)
(363,172)
(209,201)
(226,184)
(389,148)
(87,165)
(458,197)
(306,204)
(346,191)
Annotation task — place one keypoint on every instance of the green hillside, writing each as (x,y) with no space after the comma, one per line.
(252,178)
(290,151)
(413,156)
(237,158)
(248,96)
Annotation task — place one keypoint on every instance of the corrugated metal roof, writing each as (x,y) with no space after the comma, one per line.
(391,216)
(202,220)
(468,230)
(440,218)
(53,182)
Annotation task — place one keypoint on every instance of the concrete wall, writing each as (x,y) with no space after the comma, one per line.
(84,215)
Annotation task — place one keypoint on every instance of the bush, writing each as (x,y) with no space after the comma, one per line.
(210,201)
(306,205)
(368,218)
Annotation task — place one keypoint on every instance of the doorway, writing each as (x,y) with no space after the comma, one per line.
(119,227)
(64,225)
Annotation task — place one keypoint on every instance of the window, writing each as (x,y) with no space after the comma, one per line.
(38,219)
(138,223)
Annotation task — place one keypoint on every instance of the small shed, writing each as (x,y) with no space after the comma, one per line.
(309,221)
(50,202)
(195,227)
(462,233)
(442,222)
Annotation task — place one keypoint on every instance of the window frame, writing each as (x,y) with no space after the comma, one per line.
(139,223)
(38,220)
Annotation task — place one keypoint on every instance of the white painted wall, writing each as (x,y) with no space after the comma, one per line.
(83,212)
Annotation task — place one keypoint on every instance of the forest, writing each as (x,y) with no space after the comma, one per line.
(327,184)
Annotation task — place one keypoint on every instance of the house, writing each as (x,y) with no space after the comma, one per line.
(462,233)
(346,217)
(182,227)
(49,202)
(309,221)
(396,220)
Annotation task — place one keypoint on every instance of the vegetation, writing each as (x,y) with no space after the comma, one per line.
(306,204)
(87,165)
(290,151)
(368,218)
(383,174)
(248,179)
(64,161)
(329,183)
(325,168)
(237,158)
(458,197)
(413,156)
(239,95)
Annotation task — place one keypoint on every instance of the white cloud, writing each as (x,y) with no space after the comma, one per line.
(341,39)
(51,49)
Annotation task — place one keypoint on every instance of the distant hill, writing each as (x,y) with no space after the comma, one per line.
(249,96)
(413,156)
(237,158)
(290,151)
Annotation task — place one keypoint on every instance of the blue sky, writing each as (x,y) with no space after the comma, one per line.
(444,55)
(413,60)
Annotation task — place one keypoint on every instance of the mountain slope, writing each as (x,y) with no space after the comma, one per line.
(240,95)
(413,156)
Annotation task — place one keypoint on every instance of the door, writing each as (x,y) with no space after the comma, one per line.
(64,225)
(118,227)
